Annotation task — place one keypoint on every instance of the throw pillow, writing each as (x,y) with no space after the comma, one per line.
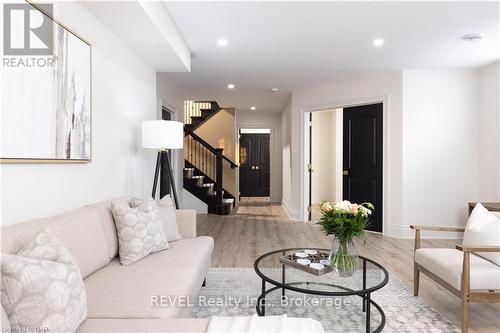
(42,287)
(139,231)
(483,229)
(5,327)
(166,214)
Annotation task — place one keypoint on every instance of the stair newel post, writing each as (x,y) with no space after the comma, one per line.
(218,173)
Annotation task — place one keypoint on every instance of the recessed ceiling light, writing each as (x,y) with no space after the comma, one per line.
(274,90)
(378,42)
(222,42)
(252,108)
(474,37)
(230,86)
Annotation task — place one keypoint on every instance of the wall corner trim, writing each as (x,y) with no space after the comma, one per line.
(293,215)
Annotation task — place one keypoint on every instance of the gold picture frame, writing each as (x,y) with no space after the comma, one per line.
(85,129)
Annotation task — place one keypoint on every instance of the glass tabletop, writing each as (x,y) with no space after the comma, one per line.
(368,277)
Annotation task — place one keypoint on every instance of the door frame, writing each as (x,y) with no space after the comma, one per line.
(304,150)
(177,157)
(272,148)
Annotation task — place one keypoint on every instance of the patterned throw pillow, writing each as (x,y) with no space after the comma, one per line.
(42,287)
(166,214)
(139,231)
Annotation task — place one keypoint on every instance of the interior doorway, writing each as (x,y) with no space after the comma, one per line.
(255,162)
(325,151)
(345,158)
(165,187)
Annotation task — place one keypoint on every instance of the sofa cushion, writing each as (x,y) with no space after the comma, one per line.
(117,291)
(80,230)
(108,223)
(483,229)
(447,264)
(140,232)
(189,325)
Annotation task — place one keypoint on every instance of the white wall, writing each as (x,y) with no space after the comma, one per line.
(440,146)
(431,140)
(246,119)
(387,88)
(489,134)
(123,96)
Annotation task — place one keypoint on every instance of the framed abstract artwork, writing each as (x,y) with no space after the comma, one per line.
(46,107)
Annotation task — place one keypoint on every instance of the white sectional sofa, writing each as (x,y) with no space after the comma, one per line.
(119,297)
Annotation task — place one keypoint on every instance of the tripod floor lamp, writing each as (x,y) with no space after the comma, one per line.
(163,135)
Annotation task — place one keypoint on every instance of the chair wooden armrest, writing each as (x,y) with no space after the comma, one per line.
(419,228)
(437,228)
(477,249)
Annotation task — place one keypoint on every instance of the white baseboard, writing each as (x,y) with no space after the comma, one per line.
(405,232)
(293,215)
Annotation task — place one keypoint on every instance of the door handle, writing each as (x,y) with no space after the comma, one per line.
(345,172)
(257,167)
(253,167)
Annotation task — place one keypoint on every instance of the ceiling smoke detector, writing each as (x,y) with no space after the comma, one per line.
(474,37)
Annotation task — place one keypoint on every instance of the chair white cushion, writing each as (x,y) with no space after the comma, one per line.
(447,264)
(483,229)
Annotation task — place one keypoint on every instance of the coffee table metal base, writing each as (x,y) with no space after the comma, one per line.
(366,307)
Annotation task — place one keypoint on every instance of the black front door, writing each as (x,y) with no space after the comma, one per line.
(254,165)
(362,174)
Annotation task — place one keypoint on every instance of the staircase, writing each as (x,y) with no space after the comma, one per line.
(204,164)
(196,113)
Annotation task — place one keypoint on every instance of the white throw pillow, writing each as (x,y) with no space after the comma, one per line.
(42,287)
(140,232)
(483,229)
(166,213)
(5,326)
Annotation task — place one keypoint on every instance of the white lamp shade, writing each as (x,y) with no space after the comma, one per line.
(162,134)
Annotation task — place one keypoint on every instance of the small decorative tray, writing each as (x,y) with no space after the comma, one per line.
(293,260)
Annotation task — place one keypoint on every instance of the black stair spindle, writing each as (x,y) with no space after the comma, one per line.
(218,173)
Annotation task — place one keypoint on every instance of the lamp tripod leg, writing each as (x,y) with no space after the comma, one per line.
(171,177)
(157,172)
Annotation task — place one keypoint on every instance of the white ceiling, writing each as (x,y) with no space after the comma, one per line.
(292,45)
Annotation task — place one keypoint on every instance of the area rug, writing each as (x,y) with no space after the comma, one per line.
(233,292)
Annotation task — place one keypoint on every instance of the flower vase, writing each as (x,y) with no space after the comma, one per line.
(343,257)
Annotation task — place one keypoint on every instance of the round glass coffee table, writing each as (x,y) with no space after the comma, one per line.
(369,277)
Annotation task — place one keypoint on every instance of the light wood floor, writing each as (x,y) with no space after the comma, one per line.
(258,227)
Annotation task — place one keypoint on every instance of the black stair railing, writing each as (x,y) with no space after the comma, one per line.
(207,159)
